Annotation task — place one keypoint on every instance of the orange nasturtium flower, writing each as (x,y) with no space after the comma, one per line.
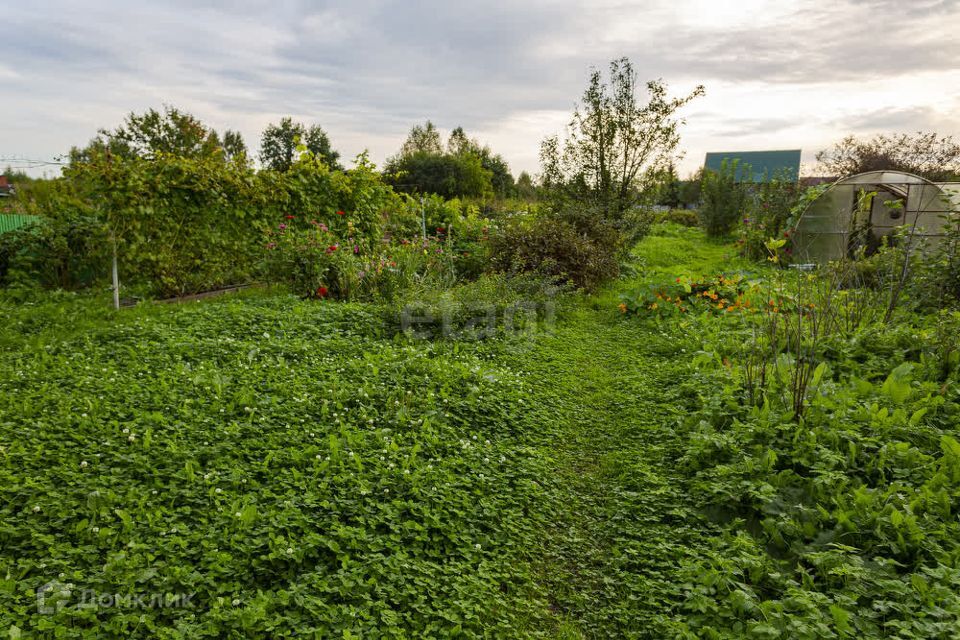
(622,307)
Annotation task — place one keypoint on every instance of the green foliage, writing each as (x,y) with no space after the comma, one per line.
(725,199)
(465,169)
(70,251)
(684,217)
(447,175)
(766,215)
(192,224)
(273,458)
(571,248)
(721,293)
(279,145)
(172,132)
(616,148)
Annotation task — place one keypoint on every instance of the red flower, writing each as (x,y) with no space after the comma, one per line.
(332,248)
(341,213)
(291,217)
(321,292)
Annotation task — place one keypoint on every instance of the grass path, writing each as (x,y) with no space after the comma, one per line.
(621,521)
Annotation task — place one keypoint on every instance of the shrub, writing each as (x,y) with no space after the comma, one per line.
(765,216)
(190,224)
(559,248)
(65,252)
(683,217)
(724,199)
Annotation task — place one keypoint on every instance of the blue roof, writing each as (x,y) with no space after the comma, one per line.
(764,165)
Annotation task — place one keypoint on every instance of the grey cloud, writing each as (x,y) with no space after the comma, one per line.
(379,67)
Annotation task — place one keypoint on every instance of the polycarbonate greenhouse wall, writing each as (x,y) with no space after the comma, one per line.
(11,221)
(860,210)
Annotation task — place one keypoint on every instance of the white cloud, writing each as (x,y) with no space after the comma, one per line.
(778,74)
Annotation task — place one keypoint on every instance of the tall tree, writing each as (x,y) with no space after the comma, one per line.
(278,144)
(234,148)
(924,154)
(425,139)
(616,145)
(171,131)
(463,168)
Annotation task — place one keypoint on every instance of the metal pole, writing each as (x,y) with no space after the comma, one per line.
(423,219)
(116,277)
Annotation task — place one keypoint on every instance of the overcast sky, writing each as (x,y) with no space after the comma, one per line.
(778,74)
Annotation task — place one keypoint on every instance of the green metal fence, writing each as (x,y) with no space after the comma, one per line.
(11,221)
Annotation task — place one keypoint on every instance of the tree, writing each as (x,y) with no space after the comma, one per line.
(724,199)
(425,139)
(234,148)
(278,145)
(668,193)
(153,132)
(615,146)
(463,168)
(525,187)
(924,154)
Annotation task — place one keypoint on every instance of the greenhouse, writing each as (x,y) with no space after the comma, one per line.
(856,213)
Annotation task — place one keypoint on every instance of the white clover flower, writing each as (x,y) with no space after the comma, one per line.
(477,546)
(218,490)
(131,437)
(238,514)
(83,464)
(96,529)
(289,550)
(319,457)
(83,415)
(236,602)
(126,429)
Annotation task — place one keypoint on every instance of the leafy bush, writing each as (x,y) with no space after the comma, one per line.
(724,199)
(69,251)
(766,215)
(683,217)
(191,224)
(556,247)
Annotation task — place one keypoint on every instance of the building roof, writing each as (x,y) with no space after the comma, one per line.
(764,165)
